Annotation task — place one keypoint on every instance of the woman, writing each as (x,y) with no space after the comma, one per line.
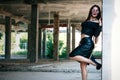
(91,29)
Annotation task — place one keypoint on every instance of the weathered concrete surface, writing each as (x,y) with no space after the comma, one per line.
(45,76)
(63,70)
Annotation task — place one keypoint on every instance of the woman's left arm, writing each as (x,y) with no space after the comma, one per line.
(96,40)
(97,32)
(100,22)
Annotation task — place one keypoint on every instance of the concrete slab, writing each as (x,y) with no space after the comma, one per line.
(63,70)
(45,76)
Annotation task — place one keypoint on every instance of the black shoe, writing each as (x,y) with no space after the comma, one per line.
(98,66)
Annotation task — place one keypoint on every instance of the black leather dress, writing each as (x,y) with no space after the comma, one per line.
(86,44)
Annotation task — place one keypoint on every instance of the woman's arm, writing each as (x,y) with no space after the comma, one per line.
(100,22)
(98,31)
(96,40)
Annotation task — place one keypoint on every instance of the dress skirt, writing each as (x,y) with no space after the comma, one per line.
(84,49)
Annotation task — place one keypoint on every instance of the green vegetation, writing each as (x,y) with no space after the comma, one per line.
(23,42)
(1,43)
(64,53)
(62,49)
(49,50)
(13,35)
(21,47)
(20,52)
(1,48)
(49,45)
(97,54)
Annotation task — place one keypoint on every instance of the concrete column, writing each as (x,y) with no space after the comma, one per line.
(33,34)
(7,37)
(44,43)
(40,43)
(56,36)
(111,40)
(28,54)
(68,38)
(73,37)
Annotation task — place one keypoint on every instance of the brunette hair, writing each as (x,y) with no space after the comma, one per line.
(90,12)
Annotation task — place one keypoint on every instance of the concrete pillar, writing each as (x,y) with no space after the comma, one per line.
(28,54)
(33,34)
(68,38)
(7,37)
(111,40)
(56,36)
(40,43)
(73,37)
(44,43)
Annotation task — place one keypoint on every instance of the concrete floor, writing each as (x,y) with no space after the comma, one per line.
(45,76)
(65,70)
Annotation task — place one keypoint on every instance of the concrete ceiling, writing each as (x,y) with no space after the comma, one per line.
(20,10)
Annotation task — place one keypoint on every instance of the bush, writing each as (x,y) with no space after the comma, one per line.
(23,45)
(49,49)
(23,42)
(1,44)
(62,50)
(63,53)
(20,53)
(49,45)
(97,54)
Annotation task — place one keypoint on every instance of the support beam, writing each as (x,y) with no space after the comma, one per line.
(68,38)
(52,26)
(33,34)
(56,36)
(17,18)
(44,43)
(40,43)
(73,37)
(7,37)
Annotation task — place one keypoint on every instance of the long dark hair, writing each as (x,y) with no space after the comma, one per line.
(90,12)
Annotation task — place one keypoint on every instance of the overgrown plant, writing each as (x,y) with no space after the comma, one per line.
(61,48)
(23,42)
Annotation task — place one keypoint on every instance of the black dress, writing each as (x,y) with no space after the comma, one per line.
(86,44)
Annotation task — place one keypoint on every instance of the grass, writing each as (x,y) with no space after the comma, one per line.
(20,52)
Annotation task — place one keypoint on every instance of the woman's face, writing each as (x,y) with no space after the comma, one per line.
(95,12)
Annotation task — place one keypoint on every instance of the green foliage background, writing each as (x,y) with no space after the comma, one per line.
(62,49)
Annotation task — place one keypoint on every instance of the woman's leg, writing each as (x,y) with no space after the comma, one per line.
(83,70)
(98,64)
(93,59)
(82,59)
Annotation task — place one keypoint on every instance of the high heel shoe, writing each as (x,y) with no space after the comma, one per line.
(98,67)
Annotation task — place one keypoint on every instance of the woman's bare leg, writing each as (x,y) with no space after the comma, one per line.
(83,70)
(83,59)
